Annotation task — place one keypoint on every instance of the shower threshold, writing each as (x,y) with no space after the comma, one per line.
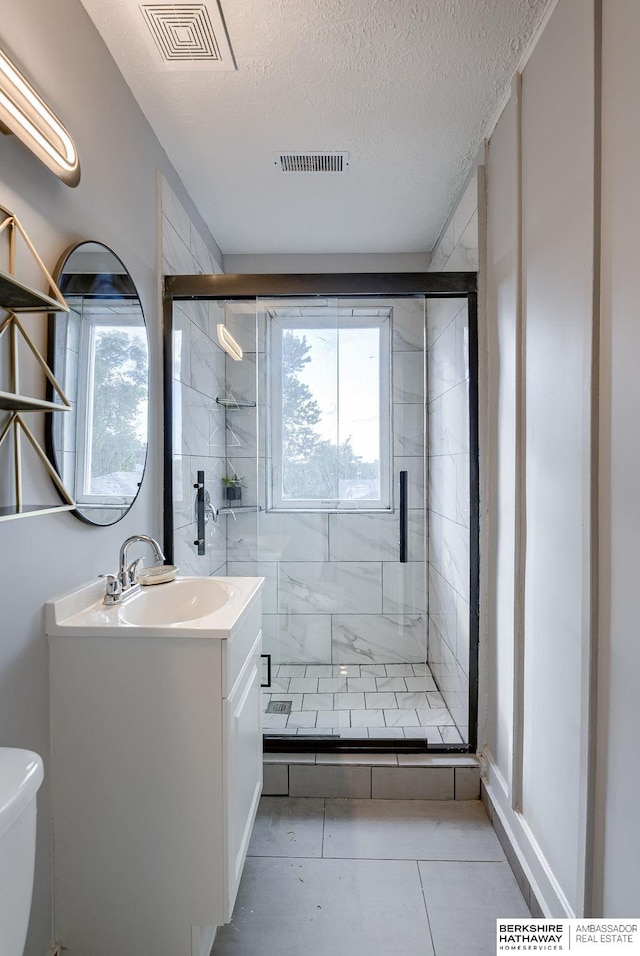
(359,701)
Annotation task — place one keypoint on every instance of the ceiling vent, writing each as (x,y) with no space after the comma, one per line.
(188,36)
(312,162)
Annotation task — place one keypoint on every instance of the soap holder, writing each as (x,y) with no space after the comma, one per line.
(158,574)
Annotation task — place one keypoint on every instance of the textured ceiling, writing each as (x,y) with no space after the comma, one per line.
(406,86)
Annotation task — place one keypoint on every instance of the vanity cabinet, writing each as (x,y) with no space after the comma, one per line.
(156,777)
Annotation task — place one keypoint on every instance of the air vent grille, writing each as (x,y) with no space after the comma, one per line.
(312,162)
(188,36)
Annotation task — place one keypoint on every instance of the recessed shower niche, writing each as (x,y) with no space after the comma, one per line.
(350,420)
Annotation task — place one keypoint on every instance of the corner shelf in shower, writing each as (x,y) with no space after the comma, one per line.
(234,403)
(16,297)
(247,509)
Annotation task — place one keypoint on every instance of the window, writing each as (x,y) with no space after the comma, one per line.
(112,421)
(330,412)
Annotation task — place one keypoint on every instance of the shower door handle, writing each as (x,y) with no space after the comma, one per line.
(267,657)
(403,518)
(200,520)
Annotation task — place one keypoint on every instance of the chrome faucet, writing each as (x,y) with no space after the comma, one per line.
(124,584)
(127,573)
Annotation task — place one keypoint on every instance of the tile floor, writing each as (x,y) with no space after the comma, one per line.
(329,877)
(360,700)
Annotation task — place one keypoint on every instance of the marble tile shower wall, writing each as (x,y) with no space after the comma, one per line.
(457,247)
(335,592)
(199,377)
(448,465)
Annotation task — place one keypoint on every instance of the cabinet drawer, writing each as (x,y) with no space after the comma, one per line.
(236,649)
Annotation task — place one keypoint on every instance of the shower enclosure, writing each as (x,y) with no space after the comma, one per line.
(324,441)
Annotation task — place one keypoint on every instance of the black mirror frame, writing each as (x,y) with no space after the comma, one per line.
(51,348)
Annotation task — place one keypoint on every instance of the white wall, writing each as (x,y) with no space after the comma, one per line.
(557,242)
(538,708)
(498,557)
(115,203)
(617,851)
(542,488)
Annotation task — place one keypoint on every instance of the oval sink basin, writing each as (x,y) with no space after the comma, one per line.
(177,602)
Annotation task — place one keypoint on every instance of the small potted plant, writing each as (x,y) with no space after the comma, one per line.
(233,485)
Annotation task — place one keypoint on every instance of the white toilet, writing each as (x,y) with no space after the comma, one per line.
(21,774)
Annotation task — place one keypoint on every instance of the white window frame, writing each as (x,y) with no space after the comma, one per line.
(277,326)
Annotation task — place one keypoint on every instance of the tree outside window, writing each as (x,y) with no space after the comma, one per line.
(331,438)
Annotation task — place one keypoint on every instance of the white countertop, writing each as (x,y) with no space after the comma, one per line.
(83,613)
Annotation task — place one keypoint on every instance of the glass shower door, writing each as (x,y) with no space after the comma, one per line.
(243,481)
(346,412)
(453,510)
(324,478)
(215,437)
(378,532)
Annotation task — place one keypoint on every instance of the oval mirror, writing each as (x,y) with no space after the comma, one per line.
(99,355)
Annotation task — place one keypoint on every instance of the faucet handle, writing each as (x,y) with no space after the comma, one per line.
(113,589)
(132,571)
(113,584)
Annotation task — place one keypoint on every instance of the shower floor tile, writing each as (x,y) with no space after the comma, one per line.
(360,700)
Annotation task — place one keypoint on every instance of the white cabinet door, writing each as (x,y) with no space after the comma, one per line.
(242,724)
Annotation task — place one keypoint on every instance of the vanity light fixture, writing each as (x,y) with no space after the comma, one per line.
(228,343)
(24,112)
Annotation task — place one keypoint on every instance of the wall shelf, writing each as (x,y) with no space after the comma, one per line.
(234,403)
(16,297)
(30,511)
(9,401)
(245,508)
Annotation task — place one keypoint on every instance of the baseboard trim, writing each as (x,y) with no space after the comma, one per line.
(537,882)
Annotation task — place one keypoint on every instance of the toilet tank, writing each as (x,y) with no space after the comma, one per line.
(21,774)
